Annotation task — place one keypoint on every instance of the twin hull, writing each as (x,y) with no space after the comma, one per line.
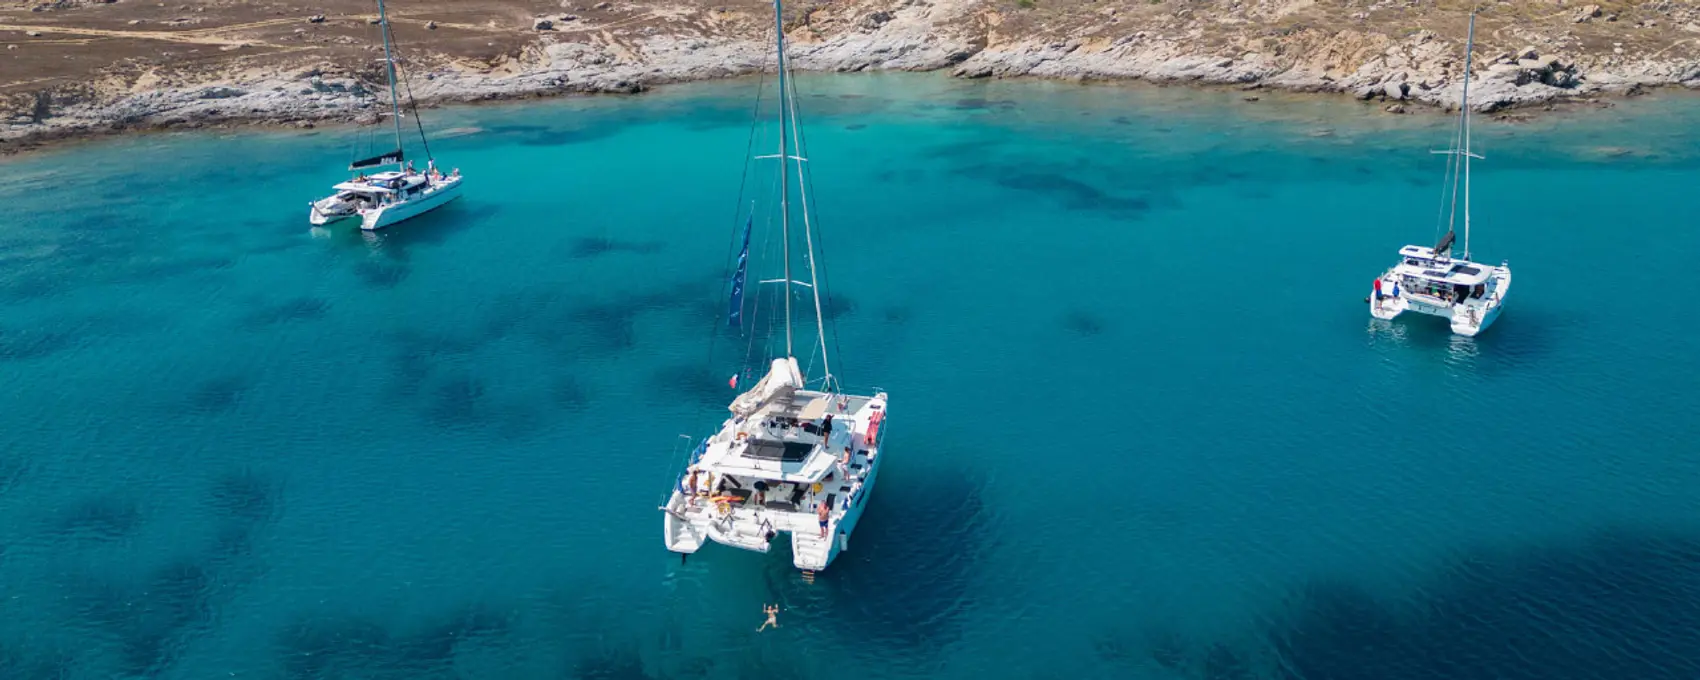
(1392,307)
(386,215)
(686,537)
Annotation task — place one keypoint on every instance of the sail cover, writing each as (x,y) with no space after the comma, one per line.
(735,318)
(782,380)
(384,159)
(1444,245)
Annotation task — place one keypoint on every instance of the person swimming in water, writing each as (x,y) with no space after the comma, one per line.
(772,611)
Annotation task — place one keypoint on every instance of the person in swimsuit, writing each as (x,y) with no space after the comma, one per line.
(821,511)
(772,612)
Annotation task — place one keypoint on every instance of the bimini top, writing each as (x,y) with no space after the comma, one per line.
(1423,263)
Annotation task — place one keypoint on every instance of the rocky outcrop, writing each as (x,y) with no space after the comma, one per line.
(1255,43)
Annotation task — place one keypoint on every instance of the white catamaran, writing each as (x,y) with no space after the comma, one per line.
(796,456)
(385,198)
(1431,281)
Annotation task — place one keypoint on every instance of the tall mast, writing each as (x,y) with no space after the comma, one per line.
(784,169)
(1469,49)
(389,71)
(809,244)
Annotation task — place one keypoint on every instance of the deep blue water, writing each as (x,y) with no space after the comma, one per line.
(1143,425)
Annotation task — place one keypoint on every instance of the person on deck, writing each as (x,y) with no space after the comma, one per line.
(821,511)
(844,463)
(826,428)
(1378,289)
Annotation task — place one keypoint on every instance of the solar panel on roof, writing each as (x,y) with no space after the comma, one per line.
(789,452)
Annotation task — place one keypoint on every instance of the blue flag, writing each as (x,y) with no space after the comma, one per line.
(735,318)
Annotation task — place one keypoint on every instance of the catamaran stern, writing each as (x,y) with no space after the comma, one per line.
(680,534)
(1472,320)
(391,213)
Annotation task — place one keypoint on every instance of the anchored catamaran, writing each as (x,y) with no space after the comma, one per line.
(1431,281)
(796,456)
(385,198)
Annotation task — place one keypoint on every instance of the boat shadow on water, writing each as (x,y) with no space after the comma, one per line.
(908,580)
(431,228)
(1522,338)
(385,253)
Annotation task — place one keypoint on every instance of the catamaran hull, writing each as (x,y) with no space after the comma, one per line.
(319,219)
(1468,325)
(437,197)
(680,534)
(1465,321)
(685,529)
(847,522)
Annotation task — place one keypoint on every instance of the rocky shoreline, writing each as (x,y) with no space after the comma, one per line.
(572,53)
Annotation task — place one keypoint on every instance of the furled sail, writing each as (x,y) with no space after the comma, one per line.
(782,380)
(1445,246)
(391,158)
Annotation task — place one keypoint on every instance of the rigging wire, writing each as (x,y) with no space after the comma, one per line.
(820,237)
(733,242)
(407,84)
(766,251)
(417,121)
(1456,159)
(1446,184)
(738,209)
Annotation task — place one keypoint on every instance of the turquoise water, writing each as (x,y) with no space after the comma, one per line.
(1143,425)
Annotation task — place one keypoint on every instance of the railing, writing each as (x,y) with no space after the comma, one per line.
(692,459)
